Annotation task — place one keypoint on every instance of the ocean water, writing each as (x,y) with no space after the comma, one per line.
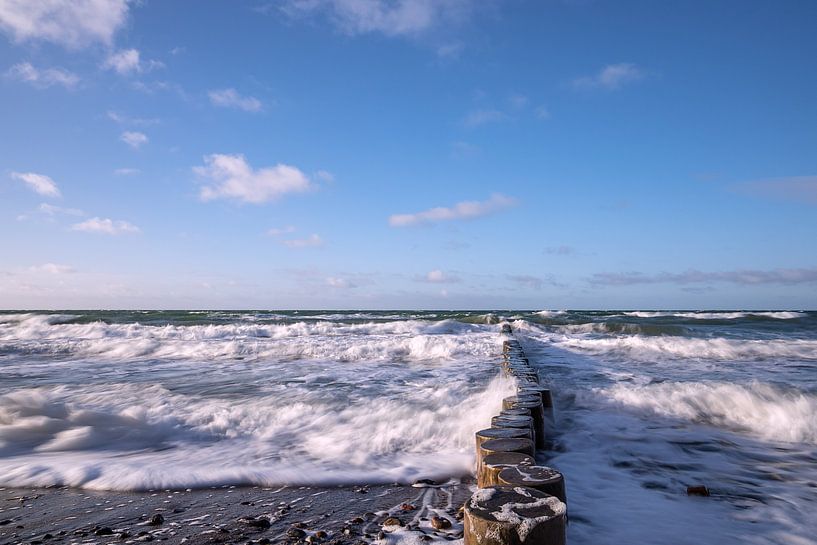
(647,403)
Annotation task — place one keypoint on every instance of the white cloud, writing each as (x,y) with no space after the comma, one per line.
(105,226)
(339,283)
(612,76)
(42,77)
(70,23)
(278,231)
(129,61)
(52,268)
(438,277)
(229,98)
(51,210)
(234,178)
(126,171)
(134,139)
(389,17)
(481,117)
(461,210)
(309,242)
(40,183)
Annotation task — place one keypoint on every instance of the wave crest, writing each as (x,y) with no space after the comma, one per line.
(760,409)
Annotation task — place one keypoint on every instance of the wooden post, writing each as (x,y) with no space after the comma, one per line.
(525,446)
(543,479)
(513,516)
(488,471)
(500,433)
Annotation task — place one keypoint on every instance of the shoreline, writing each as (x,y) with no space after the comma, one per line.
(229,514)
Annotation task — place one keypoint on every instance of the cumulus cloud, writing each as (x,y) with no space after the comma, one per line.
(105,226)
(52,268)
(233,178)
(42,77)
(389,17)
(483,117)
(311,241)
(611,77)
(129,61)
(692,276)
(134,139)
(39,183)
(461,210)
(438,277)
(794,188)
(229,98)
(69,23)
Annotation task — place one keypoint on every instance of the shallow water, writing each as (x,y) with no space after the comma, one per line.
(646,402)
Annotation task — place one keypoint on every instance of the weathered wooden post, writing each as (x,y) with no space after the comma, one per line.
(492,464)
(525,446)
(513,516)
(543,479)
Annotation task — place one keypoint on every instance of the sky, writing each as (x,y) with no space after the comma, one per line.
(413,154)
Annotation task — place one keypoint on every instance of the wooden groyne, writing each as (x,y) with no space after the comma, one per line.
(518,502)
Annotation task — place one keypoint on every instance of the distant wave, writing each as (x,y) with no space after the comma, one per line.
(550,313)
(401,340)
(640,347)
(760,409)
(779,315)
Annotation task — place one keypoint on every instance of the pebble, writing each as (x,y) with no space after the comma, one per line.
(407,507)
(261,522)
(296,533)
(104,532)
(156,519)
(392,521)
(320,534)
(440,523)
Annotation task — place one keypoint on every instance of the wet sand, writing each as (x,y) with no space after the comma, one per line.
(331,515)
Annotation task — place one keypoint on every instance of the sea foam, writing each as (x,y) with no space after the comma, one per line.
(759,409)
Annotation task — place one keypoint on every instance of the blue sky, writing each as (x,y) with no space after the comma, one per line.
(408,154)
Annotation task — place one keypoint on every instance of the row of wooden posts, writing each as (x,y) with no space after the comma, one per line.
(518,501)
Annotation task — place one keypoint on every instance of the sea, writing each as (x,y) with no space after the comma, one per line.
(647,403)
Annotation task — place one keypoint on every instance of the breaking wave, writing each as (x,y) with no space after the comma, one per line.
(402,340)
(639,347)
(759,409)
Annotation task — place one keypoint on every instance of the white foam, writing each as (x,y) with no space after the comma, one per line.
(661,347)
(134,436)
(402,340)
(758,409)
